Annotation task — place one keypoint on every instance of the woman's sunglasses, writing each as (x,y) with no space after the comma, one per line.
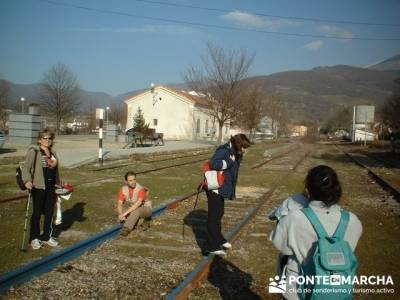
(47,138)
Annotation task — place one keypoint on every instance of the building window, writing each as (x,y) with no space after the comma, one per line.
(155,122)
(206,128)
(198,126)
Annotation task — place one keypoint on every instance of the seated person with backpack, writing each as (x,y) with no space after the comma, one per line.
(318,239)
(139,205)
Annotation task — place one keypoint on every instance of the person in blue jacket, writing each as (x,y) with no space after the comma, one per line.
(227,158)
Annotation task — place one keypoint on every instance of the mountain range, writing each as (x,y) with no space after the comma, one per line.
(307,95)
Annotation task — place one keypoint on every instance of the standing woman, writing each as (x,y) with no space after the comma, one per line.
(295,236)
(227,158)
(40,175)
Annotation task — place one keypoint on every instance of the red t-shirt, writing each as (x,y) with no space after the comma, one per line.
(141,195)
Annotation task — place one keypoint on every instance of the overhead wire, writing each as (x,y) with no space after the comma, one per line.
(270,15)
(104,11)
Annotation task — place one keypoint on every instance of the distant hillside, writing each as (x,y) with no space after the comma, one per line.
(308,95)
(31,93)
(311,95)
(389,65)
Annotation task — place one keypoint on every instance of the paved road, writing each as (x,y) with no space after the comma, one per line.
(75,150)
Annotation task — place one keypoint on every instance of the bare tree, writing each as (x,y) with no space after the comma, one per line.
(60,93)
(118,113)
(4,97)
(91,116)
(252,108)
(276,110)
(390,110)
(341,118)
(220,79)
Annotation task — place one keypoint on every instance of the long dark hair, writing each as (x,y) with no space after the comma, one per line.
(323,184)
(238,142)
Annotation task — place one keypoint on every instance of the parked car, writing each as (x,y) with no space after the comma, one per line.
(2,139)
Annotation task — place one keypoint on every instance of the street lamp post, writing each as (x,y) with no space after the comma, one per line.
(107,112)
(22,104)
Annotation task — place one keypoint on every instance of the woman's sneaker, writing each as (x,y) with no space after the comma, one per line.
(220,253)
(36,244)
(51,242)
(227,246)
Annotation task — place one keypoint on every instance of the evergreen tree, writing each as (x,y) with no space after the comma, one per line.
(139,121)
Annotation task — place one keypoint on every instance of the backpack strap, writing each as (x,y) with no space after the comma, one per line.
(341,228)
(312,217)
(34,163)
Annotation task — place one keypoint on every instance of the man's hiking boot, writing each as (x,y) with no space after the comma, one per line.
(125,231)
(145,225)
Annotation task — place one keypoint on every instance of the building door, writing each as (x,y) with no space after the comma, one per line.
(198,127)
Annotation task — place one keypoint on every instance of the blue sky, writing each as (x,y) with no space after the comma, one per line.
(123,45)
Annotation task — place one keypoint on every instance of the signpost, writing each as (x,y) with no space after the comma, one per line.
(100,117)
(362,115)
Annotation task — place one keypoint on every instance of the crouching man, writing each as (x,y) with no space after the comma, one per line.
(138,204)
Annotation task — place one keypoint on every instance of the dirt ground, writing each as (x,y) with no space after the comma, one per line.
(251,262)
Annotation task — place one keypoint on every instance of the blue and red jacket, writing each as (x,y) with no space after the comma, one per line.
(221,161)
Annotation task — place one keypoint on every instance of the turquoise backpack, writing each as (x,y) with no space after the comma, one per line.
(333,258)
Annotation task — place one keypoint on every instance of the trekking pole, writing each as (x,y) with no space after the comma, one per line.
(26,222)
(183,230)
(199,189)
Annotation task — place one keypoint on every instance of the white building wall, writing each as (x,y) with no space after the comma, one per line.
(172,114)
(209,127)
(362,135)
(205,130)
(176,117)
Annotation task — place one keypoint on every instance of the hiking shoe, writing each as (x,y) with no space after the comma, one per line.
(51,242)
(125,231)
(145,225)
(220,253)
(227,245)
(36,244)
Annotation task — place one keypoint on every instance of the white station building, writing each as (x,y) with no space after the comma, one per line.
(179,115)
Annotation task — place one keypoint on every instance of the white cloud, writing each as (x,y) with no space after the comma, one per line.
(245,19)
(168,29)
(314,46)
(335,31)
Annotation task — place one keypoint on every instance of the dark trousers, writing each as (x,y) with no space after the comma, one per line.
(215,213)
(43,203)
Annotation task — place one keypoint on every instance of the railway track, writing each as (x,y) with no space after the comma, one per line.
(25,273)
(203,158)
(23,196)
(204,267)
(115,166)
(268,160)
(374,170)
(173,241)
